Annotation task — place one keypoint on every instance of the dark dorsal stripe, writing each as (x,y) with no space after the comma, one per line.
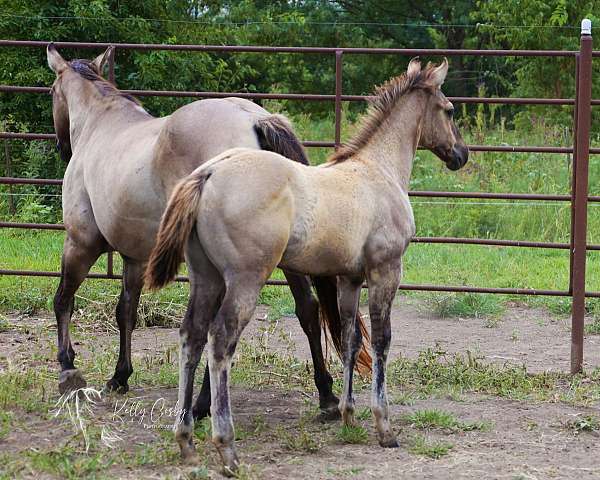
(86,69)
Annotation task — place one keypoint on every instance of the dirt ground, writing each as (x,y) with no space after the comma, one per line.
(525,440)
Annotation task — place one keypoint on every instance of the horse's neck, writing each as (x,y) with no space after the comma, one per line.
(88,109)
(392,147)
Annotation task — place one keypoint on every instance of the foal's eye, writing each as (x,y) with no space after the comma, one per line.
(450,112)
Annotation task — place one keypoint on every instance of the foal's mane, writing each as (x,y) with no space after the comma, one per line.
(86,69)
(380,107)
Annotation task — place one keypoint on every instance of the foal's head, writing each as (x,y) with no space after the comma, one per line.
(438,130)
(88,69)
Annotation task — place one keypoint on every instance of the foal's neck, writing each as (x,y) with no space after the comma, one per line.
(392,147)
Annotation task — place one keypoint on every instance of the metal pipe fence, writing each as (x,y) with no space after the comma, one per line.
(578,198)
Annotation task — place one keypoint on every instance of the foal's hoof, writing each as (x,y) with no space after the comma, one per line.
(389,442)
(113,385)
(70,381)
(230,459)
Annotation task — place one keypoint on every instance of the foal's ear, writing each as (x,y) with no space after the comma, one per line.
(56,63)
(414,66)
(101,60)
(438,74)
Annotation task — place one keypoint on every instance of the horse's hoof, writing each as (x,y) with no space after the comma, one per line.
(389,442)
(190,458)
(114,385)
(330,414)
(70,381)
(188,451)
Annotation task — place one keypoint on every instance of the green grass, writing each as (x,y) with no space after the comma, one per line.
(585,423)
(424,263)
(434,372)
(434,418)
(69,464)
(464,305)
(356,434)
(421,445)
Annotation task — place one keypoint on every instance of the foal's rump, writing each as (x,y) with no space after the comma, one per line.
(247,208)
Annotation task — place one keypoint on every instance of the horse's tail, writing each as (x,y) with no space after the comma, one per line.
(329,313)
(176,226)
(276,134)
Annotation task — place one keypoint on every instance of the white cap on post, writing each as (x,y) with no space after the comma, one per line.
(586,26)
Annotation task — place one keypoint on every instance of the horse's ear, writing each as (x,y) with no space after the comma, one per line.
(438,74)
(101,60)
(56,63)
(414,66)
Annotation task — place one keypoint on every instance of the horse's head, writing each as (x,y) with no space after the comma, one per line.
(60,107)
(438,130)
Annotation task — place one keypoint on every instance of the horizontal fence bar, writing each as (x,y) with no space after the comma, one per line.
(33,226)
(498,243)
(413,287)
(305,96)
(416,193)
(449,240)
(320,50)
(325,144)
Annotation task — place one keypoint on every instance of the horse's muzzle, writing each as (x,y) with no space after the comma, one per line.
(460,155)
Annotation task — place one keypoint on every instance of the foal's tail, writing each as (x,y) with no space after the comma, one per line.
(176,226)
(329,313)
(276,134)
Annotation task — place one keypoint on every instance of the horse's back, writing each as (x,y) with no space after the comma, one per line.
(201,130)
(130,182)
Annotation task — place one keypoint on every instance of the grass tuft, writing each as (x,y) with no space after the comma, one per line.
(585,423)
(467,305)
(420,445)
(434,418)
(353,434)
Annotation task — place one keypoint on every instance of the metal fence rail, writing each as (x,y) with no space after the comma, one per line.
(578,197)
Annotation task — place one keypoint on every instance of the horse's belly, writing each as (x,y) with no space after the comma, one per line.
(129,221)
(328,258)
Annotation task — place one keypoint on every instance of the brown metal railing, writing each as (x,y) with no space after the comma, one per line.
(578,198)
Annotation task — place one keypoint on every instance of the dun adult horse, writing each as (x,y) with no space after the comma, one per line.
(352,219)
(123,165)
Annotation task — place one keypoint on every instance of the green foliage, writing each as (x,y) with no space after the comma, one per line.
(537,25)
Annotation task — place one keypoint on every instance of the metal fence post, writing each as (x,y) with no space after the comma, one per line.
(573,177)
(111,78)
(583,105)
(338,98)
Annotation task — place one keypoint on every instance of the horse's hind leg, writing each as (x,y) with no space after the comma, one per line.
(348,298)
(202,404)
(75,264)
(206,286)
(307,311)
(126,319)
(236,309)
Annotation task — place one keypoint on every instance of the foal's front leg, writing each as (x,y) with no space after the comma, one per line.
(348,298)
(383,285)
